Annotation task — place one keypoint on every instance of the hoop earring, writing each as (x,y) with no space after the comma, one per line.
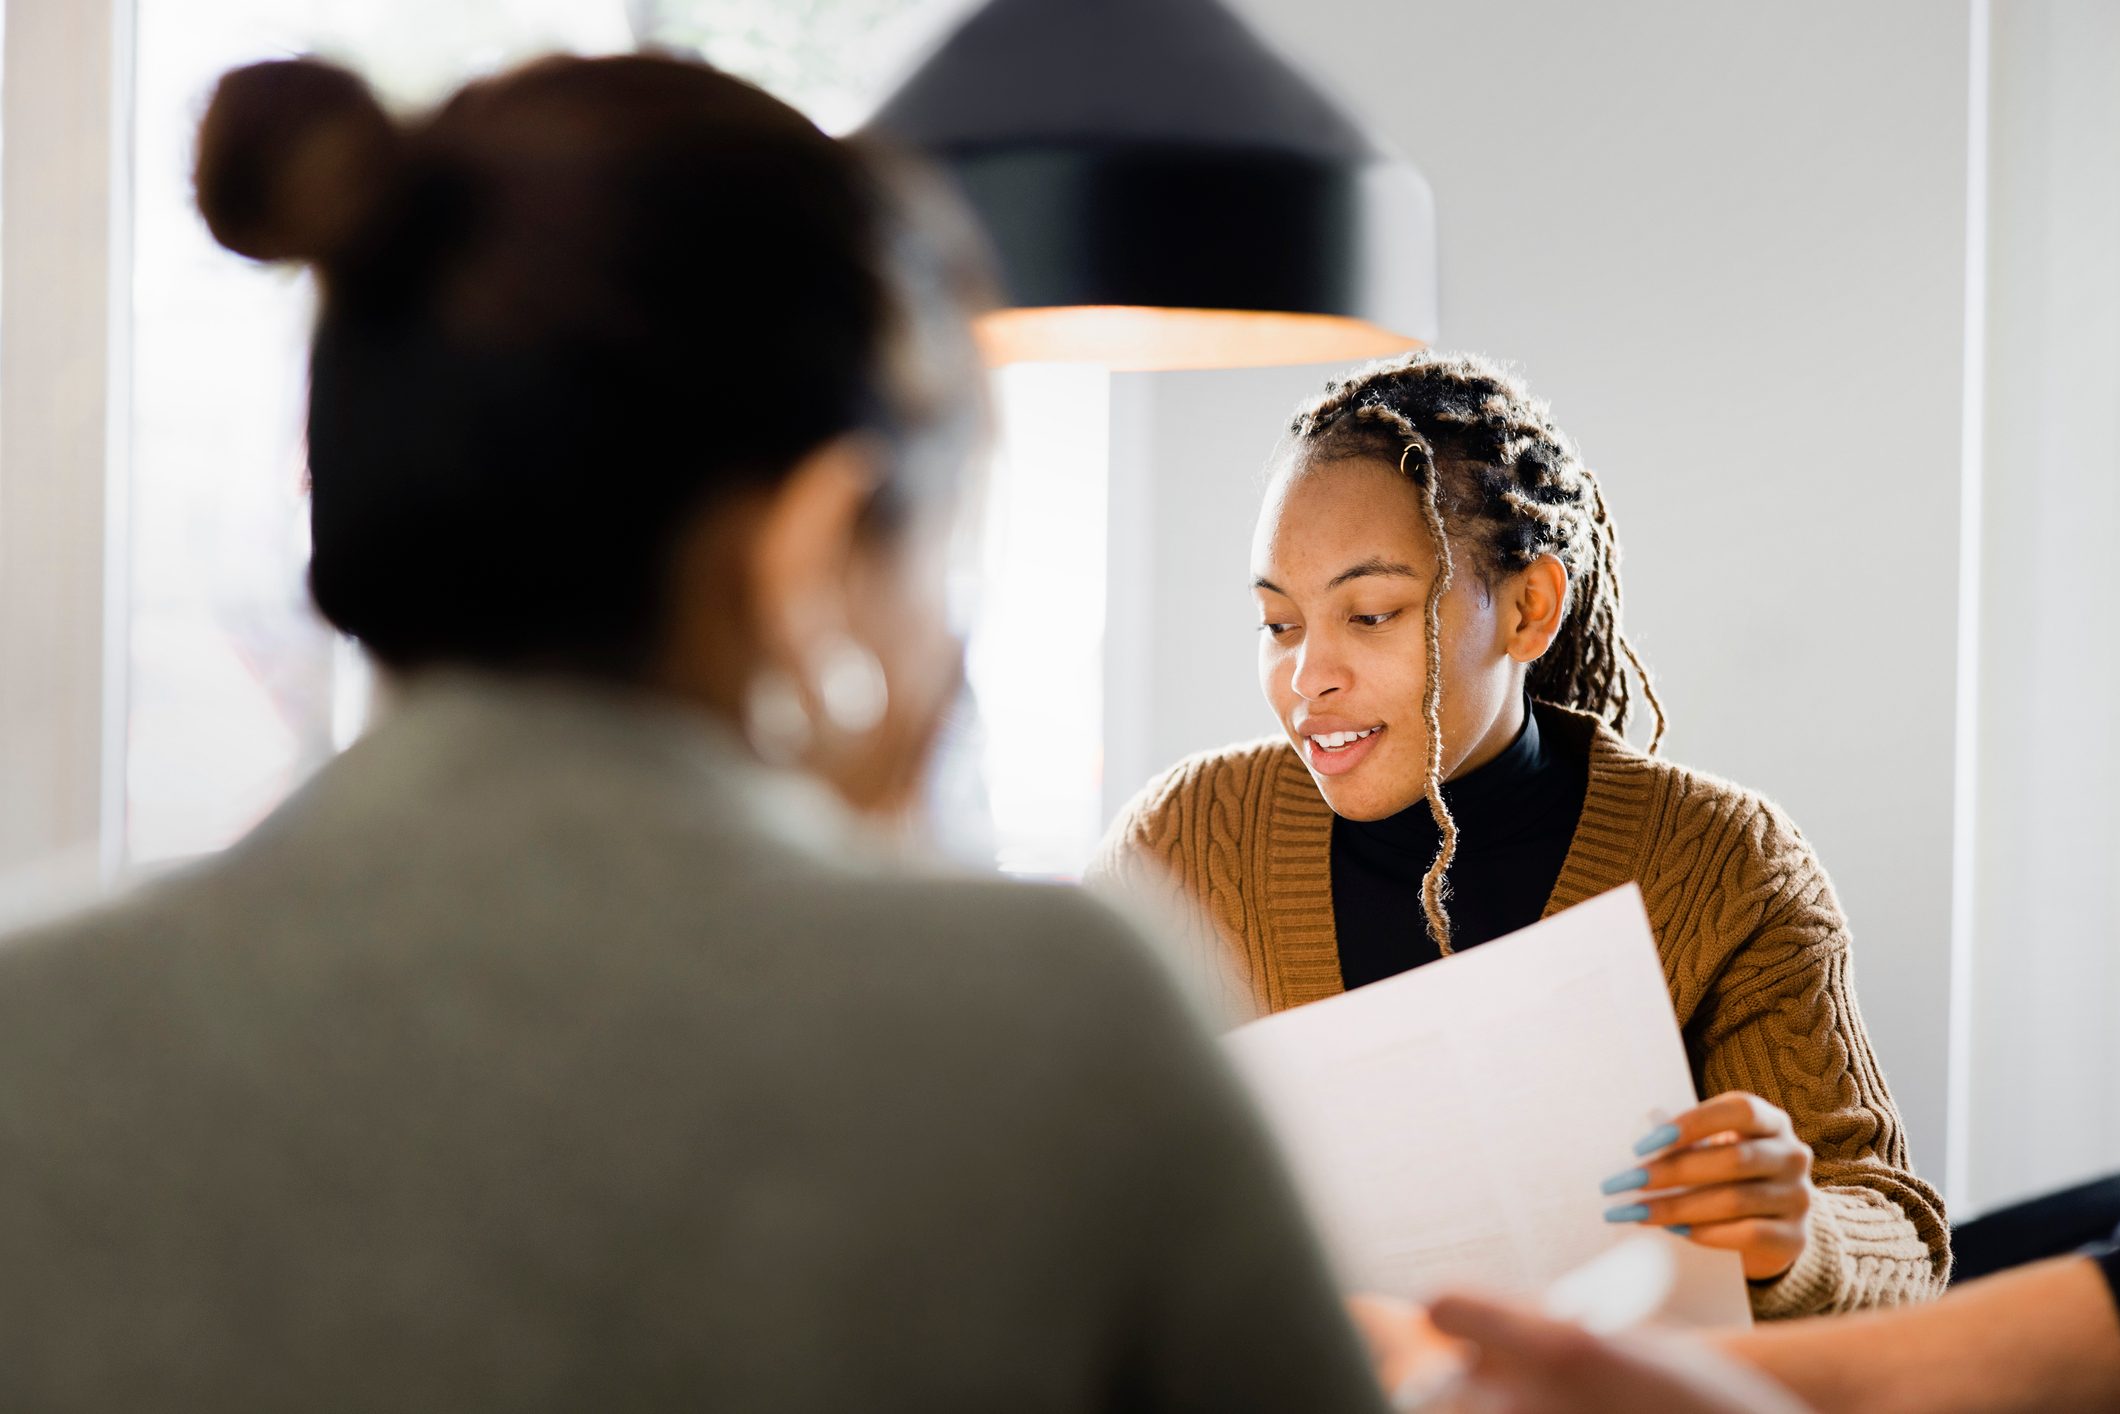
(852,690)
(776,720)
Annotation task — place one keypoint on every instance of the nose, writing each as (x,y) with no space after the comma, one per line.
(1320,669)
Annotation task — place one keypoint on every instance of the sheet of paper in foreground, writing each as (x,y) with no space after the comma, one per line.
(1450,1126)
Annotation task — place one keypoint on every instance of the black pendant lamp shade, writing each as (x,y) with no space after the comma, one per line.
(1165,192)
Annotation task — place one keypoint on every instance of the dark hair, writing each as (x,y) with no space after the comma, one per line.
(566,313)
(1497,476)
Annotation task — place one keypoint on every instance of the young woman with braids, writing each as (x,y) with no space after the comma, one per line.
(1438,589)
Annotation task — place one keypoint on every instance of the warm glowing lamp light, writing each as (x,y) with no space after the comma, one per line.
(1163,191)
(1135,339)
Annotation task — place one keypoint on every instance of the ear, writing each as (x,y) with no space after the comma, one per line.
(1535,604)
(803,546)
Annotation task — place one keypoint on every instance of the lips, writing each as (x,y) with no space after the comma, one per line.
(1347,747)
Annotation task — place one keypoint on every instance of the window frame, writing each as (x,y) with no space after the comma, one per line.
(65,314)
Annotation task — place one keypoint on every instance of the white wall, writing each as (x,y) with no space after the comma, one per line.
(1728,242)
(1188,466)
(2045,1058)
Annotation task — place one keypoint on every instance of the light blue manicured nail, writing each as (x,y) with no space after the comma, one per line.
(1632,1213)
(1625,1182)
(1681,1230)
(1662,1138)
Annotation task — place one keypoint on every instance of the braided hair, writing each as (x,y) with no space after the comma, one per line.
(1501,480)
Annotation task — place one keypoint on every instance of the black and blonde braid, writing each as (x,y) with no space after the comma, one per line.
(1495,474)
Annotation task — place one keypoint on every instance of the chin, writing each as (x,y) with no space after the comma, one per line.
(1351,802)
(1367,792)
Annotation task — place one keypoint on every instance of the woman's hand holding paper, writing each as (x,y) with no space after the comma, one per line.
(1730,1173)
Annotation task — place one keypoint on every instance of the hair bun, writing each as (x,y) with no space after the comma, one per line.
(294,156)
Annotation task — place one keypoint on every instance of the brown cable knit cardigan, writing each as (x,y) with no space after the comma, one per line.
(1754,948)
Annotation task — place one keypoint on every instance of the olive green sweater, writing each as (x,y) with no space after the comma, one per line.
(1755,951)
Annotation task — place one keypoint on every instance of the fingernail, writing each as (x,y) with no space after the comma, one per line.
(1680,1230)
(1625,1182)
(1632,1213)
(1661,1138)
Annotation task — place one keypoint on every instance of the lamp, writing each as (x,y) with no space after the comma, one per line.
(1164,191)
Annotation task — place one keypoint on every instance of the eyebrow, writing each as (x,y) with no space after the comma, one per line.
(1363,570)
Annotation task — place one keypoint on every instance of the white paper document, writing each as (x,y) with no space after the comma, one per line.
(1450,1126)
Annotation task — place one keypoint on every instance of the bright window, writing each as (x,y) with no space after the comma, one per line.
(233,680)
(1037,648)
(236,690)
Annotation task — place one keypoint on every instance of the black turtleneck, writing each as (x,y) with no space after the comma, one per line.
(1516,816)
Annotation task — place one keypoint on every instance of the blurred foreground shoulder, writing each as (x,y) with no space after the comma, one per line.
(1045,944)
(1228,1304)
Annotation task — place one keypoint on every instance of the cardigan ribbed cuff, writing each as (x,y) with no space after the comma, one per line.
(1810,1285)
(1861,1251)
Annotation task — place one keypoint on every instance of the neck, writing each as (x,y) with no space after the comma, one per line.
(1500,731)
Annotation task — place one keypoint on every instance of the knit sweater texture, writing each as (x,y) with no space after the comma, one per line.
(1755,952)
